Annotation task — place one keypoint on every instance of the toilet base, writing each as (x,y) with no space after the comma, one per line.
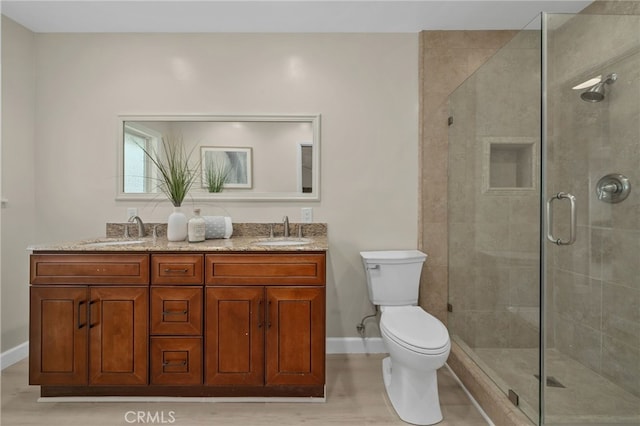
(413,394)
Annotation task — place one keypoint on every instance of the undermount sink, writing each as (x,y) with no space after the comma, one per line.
(283,242)
(113,243)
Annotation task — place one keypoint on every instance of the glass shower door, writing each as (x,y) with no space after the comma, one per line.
(591,261)
(494,218)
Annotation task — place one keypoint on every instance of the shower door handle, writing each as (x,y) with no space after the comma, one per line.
(572,223)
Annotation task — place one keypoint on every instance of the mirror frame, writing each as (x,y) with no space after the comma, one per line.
(314,119)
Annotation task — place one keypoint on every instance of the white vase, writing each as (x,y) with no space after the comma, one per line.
(177,225)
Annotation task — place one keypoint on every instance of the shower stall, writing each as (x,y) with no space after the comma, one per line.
(544,219)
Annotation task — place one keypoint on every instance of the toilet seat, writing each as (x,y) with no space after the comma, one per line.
(415,329)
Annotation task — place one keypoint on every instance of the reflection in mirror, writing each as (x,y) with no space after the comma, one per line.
(262,157)
(305,167)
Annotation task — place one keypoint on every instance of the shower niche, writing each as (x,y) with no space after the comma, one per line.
(509,165)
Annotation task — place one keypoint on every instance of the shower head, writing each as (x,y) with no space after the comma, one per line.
(596,92)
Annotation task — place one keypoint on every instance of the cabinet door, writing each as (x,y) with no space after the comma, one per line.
(58,336)
(118,335)
(234,336)
(295,342)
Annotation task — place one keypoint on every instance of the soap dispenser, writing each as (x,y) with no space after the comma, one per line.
(196,227)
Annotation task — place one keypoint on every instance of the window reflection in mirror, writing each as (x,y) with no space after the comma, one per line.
(280,154)
(139,173)
(305,159)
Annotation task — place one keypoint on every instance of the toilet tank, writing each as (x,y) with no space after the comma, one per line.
(393,277)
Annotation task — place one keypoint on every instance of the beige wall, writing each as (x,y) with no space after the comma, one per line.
(364,85)
(18,178)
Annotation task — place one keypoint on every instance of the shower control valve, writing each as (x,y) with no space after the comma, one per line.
(613,188)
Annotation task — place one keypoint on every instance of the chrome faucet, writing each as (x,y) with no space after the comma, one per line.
(141,232)
(285,222)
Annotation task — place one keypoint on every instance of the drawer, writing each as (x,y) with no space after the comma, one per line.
(89,269)
(176,269)
(260,269)
(176,311)
(176,360)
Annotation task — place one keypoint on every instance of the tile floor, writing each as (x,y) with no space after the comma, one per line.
(355,396)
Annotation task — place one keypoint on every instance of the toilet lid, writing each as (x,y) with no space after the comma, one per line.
(414,328)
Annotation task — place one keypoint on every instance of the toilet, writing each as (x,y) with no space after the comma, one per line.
(418,343)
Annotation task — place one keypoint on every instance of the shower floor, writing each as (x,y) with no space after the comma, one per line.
(587,397)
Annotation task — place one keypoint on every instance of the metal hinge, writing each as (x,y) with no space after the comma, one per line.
(450,120)
(514,398)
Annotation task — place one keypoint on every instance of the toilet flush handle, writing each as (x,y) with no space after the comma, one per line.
(373,267)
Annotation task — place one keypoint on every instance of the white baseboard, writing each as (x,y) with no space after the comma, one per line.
(13,355)
(355,345)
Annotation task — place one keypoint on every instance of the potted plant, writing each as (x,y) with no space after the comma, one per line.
(176,175)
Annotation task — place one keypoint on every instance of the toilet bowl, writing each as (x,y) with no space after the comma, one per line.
(418,345)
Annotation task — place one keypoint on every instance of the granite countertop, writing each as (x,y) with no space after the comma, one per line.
(161,244)
(245,238)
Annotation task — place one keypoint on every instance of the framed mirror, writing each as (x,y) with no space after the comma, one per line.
(257,157)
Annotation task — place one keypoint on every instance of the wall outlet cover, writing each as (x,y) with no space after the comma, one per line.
(307,214)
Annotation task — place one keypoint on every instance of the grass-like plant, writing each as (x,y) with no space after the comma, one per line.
(176,173)
(216,173)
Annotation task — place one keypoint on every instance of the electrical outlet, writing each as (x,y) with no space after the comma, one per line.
(131,211)
(307,215)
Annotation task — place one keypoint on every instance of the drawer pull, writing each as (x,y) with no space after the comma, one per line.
(176,271)
(175,312)
(174,364)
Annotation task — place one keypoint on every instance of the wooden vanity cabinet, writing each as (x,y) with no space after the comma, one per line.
(178,324)
(265,319)
(86,325)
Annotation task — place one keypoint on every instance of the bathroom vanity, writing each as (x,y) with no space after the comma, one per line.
(220,318)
